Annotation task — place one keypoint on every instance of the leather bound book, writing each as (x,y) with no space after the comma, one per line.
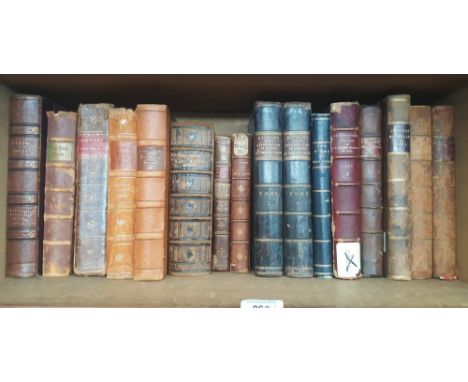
(222,203)
(443,178)
(346,189)
(268,189)
(191,190)
(121,193)
(59,194)
(298,258)
(321,197)
(91,190)
(370,131)
(420,120)
(151,192)
(240,202)
(23,233)
(396,157)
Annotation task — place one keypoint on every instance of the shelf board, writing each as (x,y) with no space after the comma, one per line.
(228,289)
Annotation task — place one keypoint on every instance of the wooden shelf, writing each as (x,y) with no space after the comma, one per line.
(228,289)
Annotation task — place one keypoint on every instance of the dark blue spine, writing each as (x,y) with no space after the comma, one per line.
(268,189)
(321,197)
(298,259)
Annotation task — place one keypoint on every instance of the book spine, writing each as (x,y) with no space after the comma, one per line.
(370,130)
(397,221)
(268,189)
(23,231)
(59,194)
(321,197)
(91,191)
(151,192)
(346,189)
(121,193)
(420,119)
(240,202)
(222,204)
(443,177)
(191,191)
(298,257)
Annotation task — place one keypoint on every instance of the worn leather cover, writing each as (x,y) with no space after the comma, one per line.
(222,203)
(443,178)
(24,233)
(321,197)
(151,192)
(59,194)
(396,156)
(91,190)
(121,193)
(191,190)
(420,119)
(268,189)
(298,257)
(240,202)
(370,131)
(346,189)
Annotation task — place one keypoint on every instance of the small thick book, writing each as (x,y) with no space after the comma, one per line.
(222,204)
(346,189)
(59,201)
(25,171)
(420,119)
(443,177)
(298,257)
(151,193)
(121,193)
(91,190)
(191,199)
(268,189)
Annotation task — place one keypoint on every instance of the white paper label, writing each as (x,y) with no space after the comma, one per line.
(253,304)
(348,259)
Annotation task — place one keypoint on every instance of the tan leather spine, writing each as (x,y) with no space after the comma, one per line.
(443,193)
(59,194)
(121,193)
(421,191)
(151,193)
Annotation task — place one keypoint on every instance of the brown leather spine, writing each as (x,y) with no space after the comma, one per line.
(420,120)
(240,202)
(443,178)
(121,193)
(222,204)
(59,194)
(23,187)
(151,192)
(370,127)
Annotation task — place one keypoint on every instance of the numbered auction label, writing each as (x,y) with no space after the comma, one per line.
(253,304)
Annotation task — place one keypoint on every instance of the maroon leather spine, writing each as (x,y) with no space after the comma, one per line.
(346,189)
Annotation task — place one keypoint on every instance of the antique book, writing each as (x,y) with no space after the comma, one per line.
(420,120)
(268,189)
(25,171)
(191,202)
(443,183)
(91,190)
(370,131)
(240,202)
(121,193)
(298,258)
(346,189)
(222,203)
(151,192)
(59,201)
(396,170)
(321,197)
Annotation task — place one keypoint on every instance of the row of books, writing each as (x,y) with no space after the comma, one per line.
(128,194)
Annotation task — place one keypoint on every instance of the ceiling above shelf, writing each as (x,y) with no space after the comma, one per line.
(231,93)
